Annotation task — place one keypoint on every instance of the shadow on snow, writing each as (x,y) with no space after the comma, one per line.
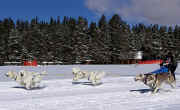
(142,90)
(35,88)
(86,83)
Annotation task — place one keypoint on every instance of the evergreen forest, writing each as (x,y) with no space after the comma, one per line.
(69,40)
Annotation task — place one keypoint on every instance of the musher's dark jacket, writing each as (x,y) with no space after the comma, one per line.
(170,62)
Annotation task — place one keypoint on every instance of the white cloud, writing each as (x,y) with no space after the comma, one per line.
(147,11)
(98,6)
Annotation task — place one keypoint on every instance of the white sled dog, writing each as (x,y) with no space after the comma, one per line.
(26,78)
(93,77)
(154,81)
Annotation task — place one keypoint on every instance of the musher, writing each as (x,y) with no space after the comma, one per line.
(169,63)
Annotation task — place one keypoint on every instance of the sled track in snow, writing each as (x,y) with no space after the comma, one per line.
(115,93)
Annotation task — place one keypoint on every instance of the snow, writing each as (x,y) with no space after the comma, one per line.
(118,91)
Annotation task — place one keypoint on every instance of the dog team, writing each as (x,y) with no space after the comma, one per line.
(32,80)
(153,79)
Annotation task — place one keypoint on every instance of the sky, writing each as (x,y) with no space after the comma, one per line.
(165,12)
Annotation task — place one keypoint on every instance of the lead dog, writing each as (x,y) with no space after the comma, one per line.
(154,81)
(94,77)
(26,78)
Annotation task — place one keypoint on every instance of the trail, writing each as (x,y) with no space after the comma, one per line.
(113,94)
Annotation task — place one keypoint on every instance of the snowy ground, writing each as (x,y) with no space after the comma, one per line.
(118,91)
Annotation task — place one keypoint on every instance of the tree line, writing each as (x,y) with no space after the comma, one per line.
(73,40)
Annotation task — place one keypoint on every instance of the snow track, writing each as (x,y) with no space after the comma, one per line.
(113,94)
(117,92)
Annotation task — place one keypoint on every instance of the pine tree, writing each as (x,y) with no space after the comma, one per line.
(119,36)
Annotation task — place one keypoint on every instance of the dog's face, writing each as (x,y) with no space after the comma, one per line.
(139,77)
(22,73)
(10,74)
(77,76)
(75,70)
(76,73)
(150,80)
(147,79)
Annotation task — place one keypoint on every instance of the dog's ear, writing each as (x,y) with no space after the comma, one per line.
(153,77)
(141,75)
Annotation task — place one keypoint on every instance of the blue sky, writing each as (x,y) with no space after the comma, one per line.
(27,9)
(165,12)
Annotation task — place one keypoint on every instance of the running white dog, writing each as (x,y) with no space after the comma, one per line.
(26,78)
(94,77)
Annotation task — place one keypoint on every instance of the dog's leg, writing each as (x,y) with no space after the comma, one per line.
(28,83)
(92,78)
(172,84)
(171,81)
(155,90)
(75,78)
(27,86)
(94,82)
(152,86)
(35,81)
(156,86)
(98,78)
